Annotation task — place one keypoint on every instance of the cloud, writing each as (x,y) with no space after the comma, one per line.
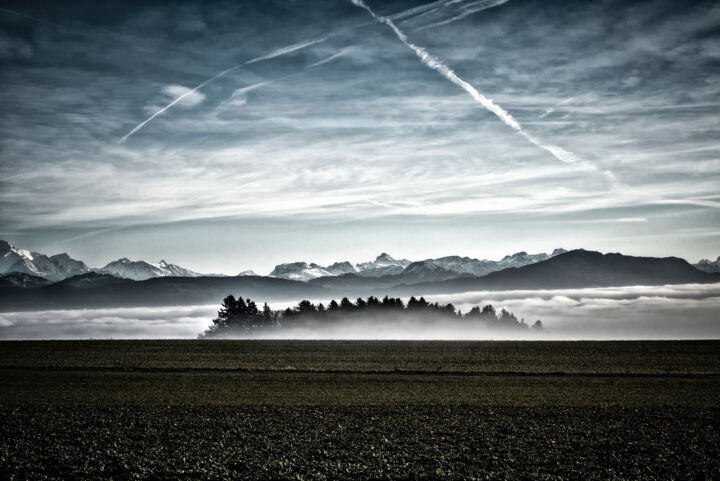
(14,48)
(686,311)
(188,96)
(120,323)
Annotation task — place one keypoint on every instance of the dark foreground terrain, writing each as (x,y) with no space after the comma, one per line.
(359,410)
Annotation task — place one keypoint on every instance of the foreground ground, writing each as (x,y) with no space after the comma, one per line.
(359,410)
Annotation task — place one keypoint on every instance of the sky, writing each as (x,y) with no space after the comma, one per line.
(225,136)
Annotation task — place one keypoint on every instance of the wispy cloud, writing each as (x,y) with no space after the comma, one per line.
(190,99)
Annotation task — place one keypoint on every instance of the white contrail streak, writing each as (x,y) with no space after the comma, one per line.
(422,9)
(448,73)
(285,50)
(467,10)
(276,53)
(178,99)
(242,91)
(329,59)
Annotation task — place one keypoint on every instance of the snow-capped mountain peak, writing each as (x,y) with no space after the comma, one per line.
(299,271)
(709,266)
(143,270)
(61,266)
(383,265)
(53,268)
(340,268)
(248,272)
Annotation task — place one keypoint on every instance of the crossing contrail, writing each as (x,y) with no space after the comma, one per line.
(292,48)
(435,64)
(276,53)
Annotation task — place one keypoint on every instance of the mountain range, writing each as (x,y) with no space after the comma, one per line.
(142,270)
(55,268)
(24,268)
(22,290)
(383,265)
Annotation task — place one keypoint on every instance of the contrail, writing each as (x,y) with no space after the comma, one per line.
(249,88)
(20,14)
(448,73)
(422,9)
(288,49)
(330,58)
(468,10)
(281,51)
(276,53)
(178,99)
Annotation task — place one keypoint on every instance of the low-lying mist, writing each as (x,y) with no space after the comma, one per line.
(688,311)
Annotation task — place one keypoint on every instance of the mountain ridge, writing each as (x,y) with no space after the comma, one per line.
(582,269)
(573,269)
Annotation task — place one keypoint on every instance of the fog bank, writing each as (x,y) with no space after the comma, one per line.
(688,311)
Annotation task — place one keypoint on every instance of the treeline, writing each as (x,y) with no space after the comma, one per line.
(244,315)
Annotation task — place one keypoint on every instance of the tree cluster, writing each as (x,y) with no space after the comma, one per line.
(243,315)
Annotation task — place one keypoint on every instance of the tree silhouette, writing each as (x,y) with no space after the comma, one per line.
(242,315)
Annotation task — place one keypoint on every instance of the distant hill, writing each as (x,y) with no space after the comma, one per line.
(20,279)
(577,269)
(95,290)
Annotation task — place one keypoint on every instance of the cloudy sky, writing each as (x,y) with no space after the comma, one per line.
(321,132)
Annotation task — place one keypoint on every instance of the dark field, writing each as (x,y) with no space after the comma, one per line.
(359,410)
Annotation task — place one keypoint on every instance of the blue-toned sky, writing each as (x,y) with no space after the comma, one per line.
(470,127)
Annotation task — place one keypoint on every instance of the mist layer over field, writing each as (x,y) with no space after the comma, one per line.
(687,311)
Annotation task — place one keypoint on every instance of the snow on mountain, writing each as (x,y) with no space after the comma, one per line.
(383,265)
(248,272)
(142,270)
(520,259)
(427,270)
(299,271)
(61,266)
(709,266)
(340,268)
(462,265)
(475,267)
(53,268)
